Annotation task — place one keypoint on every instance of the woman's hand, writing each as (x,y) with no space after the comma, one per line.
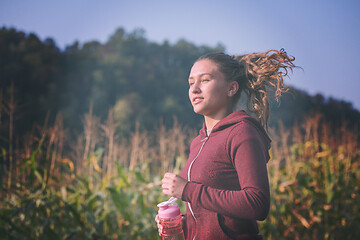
(158,223)
(173,185)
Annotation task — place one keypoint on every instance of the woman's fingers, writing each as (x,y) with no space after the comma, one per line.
(169,183)
(159,226)
(173,185)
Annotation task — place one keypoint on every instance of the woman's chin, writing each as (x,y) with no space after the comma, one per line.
(197,110)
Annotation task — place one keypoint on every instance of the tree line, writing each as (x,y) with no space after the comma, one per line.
(140,80)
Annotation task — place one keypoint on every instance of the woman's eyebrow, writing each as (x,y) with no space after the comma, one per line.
(191,77)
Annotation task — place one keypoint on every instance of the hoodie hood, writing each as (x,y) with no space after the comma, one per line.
(235,118)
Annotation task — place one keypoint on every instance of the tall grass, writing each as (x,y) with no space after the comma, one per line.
(314,180)
(103,185)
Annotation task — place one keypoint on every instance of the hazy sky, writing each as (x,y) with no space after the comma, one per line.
(324,36)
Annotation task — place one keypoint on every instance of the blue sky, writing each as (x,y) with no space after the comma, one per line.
(324,36)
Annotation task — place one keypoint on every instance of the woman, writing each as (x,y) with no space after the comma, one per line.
(224,181)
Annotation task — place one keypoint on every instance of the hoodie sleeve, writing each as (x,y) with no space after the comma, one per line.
(248,152)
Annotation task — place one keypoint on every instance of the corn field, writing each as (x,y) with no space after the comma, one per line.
(101,185)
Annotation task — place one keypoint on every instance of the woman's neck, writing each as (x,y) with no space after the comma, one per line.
(210,122)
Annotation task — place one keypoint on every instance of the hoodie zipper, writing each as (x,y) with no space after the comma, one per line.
(188,176)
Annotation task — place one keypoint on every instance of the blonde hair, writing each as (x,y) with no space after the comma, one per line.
(257,74)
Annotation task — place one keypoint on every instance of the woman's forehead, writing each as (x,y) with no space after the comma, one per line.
(204,67)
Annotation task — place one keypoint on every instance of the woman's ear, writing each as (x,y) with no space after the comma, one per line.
(233,88)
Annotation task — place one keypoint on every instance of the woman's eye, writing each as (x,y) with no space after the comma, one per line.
(205,80)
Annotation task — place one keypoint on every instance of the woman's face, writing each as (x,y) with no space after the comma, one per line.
(210,94)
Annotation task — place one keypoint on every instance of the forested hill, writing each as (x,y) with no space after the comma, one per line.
(142,81)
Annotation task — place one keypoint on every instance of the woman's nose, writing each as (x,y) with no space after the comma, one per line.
(195,88)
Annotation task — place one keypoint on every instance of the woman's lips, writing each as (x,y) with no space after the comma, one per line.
(197,100)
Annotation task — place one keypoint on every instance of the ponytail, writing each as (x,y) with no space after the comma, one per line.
(257,74)
(264,73)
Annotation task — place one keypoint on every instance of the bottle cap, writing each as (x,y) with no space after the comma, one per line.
(169,211)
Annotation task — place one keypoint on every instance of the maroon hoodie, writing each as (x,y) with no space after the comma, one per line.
(228,188)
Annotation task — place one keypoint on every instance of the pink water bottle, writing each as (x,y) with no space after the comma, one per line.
(170,217)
